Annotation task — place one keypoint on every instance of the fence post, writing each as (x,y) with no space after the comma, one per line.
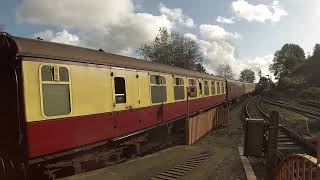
(272,145)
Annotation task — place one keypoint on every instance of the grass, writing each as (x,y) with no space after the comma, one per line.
(285,114)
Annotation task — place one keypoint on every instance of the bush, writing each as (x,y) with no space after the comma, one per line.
(311,93)
(292,82)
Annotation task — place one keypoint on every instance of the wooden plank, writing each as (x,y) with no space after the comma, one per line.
(246,165)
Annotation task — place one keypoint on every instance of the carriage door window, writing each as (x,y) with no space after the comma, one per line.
(213,90)
(178,89)
(222,88)
(206,88)
(193,88)
(218,87)
(120,90)
(158,89)
(55,89)
(200,88)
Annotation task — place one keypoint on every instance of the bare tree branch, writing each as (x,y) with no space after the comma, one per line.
(224,70)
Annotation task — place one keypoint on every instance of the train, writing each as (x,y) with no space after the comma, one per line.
(60,100)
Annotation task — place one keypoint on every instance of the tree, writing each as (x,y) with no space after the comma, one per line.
(316,50)
(265,83)
(287,59)
(260,74)
(247,75)
(173,49)
(224,70)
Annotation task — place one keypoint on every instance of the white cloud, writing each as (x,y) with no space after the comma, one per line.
(215,32)
(72,13)
(114,26)
(60,37)
(110,25)
(218,49)
(176,15)
(224,20)
(260,12)
(190,36)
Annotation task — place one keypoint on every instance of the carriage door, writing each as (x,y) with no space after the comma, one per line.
(125,100)
(119,88)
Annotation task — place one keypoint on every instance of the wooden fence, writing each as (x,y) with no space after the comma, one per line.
(299,167)
(200,124)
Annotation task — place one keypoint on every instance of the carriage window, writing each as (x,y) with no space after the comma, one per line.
(206,88)
(193,88)
(218,87)
(120,90)
(158,89)
(178,89)
(213,90)
(222,88)
(55,90)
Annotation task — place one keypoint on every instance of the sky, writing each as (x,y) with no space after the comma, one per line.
(241,33)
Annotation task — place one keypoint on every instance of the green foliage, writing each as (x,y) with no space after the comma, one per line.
(247,75)
(265,83)
(292,82)
(310,93)
(173,49)
(287,59)
(316,51)
(310,69)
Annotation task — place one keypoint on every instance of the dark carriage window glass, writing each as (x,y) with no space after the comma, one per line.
(222,88)
(63,74)
(158,89)
(218,87)
(192,88)
(206,88)
(120,90)
(213,90)
(55,91)
(46,73)
(200,88)
(178,89)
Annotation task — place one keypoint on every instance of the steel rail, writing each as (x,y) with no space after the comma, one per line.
(296,137)
(311,148)
(304,111)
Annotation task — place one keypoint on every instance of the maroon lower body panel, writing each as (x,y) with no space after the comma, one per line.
(51,136)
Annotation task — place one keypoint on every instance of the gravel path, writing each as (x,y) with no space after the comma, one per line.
(227,141)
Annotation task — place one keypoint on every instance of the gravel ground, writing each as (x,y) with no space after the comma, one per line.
(223,164)
(228,140)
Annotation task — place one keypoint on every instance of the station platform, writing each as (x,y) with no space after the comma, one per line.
(224,161)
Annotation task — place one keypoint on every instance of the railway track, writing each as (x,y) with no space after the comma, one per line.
(306,111)
(288,141)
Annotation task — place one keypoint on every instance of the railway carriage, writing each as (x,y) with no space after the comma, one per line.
(236,89)
(59,99)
